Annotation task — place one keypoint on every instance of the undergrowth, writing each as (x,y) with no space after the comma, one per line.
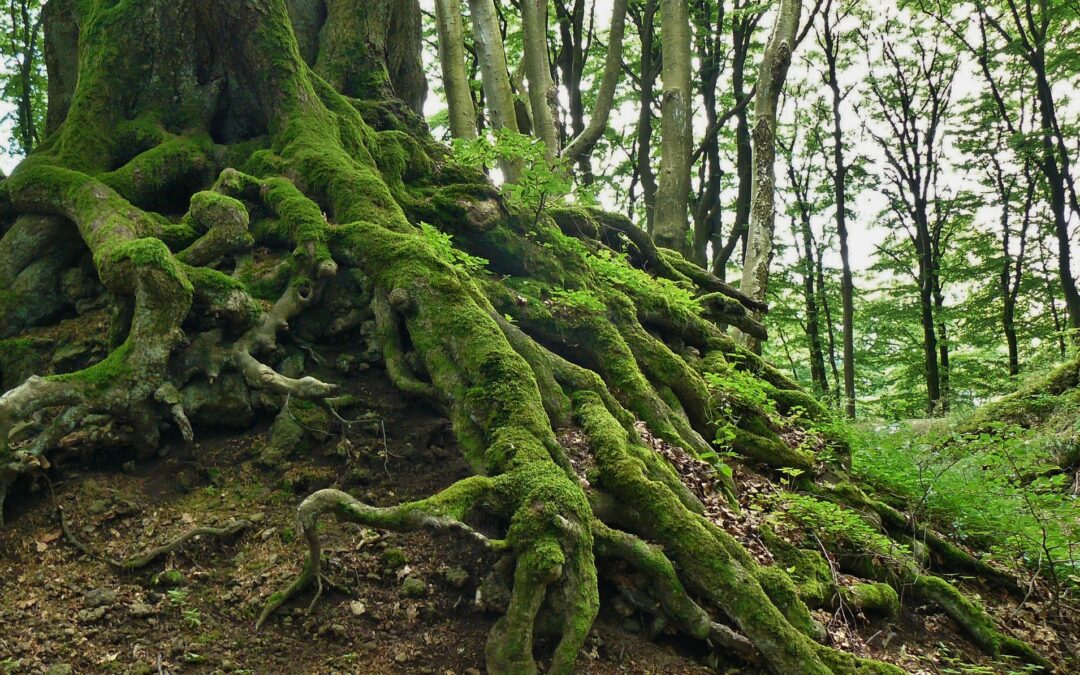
(1002,490)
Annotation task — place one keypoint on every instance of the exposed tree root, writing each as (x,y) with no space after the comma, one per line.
(301,218)
(442,512)
(148,556)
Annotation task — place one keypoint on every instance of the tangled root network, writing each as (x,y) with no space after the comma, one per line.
(221,193)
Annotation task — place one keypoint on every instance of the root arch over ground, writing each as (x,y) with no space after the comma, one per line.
(262,182)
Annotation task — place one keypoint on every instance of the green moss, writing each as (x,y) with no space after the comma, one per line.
(394,558)
(110,371)
(872,597)
(808,569)
(704,552)
(20,358)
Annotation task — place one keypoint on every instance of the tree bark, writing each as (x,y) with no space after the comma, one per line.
(452,60)
(645,115)
(582,145)
(543,100)
(771,76)
(829,40)
(671,227)
(497,92)
(743,26)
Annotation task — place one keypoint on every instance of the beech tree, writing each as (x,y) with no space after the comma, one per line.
(831,41)
(498,95)
(542,96)
(671,225)
(912,96)
(775,61)
(234,182)
(452,58)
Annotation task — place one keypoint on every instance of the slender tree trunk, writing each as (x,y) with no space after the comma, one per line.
(570,59)
(943,350)
(671,226)
(1008,310)
(801,227)
(742,30)
(1051,301)
(839,177)
(823,295)
(497,91)
(580,147)
(773,71)
(645,116)
(707,209)
(452,60)
(543,99)
(926,313)
(1056,175)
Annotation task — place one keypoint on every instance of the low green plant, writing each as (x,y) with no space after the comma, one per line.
(539,184)
(999,490)
(444,246)
(179,599)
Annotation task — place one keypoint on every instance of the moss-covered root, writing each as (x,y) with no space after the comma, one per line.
(948,556)
(975,621)
(712,563)
(130,264)
(664,587)
(879,560)
(554,566)
(442,512)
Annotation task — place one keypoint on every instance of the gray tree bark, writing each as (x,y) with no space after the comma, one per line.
(583,144)
(773,72)
(542,95)
(492,57)
(452,60)
(672,199)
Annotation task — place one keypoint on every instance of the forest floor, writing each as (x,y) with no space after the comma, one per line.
(401,603)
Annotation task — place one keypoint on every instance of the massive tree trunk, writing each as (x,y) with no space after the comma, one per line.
(238,185)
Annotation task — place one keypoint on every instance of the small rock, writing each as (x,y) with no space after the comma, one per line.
(357,607)
(394,558)
(99,597)
(401,657)
(91,615)
(456,577)
(338,630)
(413,587)
(141,610)
(170,578)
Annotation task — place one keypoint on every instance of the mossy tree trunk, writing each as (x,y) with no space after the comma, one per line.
(241,174)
